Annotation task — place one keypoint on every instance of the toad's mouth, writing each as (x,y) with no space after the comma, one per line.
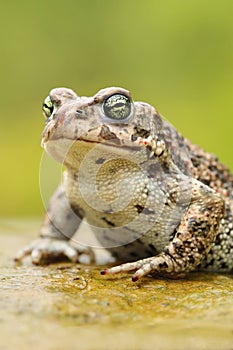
(113,135)
(69,151)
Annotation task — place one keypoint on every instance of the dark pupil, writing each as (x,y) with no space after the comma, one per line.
(117,107)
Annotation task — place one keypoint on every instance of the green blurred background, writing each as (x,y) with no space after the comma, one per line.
(176,55)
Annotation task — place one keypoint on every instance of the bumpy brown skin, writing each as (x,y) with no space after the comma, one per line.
(149,195)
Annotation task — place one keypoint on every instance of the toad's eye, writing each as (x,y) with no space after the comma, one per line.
(117,107)
(47,107)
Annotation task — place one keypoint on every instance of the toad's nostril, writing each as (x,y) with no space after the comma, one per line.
(79,113)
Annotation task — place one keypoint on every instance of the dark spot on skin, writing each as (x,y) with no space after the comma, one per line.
(174,244)
(187,242)
(167,252)
(201,226)
(178,248)
(195,161)
(160,155)
(108,222)
(205,182)
(141,132)
(191,259)
(139,208)
(166,168)
(163,265)
(100,160)
(173,197)
(201,248)
(107,134)
(145,211)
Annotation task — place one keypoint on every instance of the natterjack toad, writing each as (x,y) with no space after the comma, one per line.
(155,201)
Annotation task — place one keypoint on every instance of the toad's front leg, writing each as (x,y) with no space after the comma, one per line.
(55,242)
(192,240)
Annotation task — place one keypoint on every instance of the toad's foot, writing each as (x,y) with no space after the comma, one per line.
(157,263)
(45,250)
